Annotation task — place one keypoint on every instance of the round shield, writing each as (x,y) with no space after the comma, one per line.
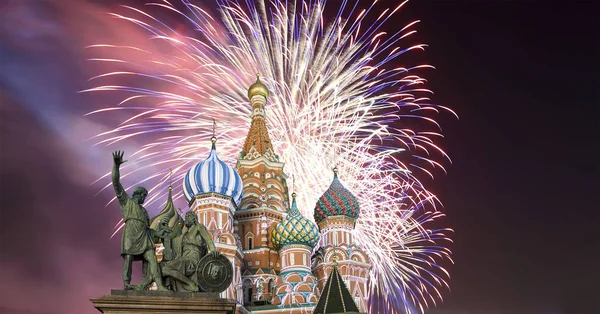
(215,274)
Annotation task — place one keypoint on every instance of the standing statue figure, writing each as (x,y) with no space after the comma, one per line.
(137,242)
(187,250)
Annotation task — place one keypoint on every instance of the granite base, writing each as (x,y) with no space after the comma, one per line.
(162,302)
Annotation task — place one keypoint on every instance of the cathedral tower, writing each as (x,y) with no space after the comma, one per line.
(336,212)
(263,204)
(213,189)
(295,237)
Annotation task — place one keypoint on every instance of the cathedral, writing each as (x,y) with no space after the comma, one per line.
(283,262)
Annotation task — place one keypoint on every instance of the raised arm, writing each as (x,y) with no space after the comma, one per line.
(116,177)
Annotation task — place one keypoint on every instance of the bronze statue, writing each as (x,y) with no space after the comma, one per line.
(184,253)
(190,260)
(137,242)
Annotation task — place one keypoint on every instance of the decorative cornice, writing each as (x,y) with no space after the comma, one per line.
(213,198)
(295,246)
(339,221)
(258,212)
(260,250)
(341,263)
(250,163)
(239,253)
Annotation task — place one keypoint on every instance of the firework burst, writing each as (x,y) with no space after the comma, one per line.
(336,89)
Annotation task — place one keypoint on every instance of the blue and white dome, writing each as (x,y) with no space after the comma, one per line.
(212,176)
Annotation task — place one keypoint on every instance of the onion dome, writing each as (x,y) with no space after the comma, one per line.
(258,88)
(336,201)
(295,229)
(212,176)
(175,222)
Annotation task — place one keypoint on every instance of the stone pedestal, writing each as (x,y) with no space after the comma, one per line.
(163,302)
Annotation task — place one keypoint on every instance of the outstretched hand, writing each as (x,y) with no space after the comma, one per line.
(118,157)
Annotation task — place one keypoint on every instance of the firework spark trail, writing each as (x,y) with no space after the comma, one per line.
(333,89)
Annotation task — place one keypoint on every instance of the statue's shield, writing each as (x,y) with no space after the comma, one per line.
(215,274)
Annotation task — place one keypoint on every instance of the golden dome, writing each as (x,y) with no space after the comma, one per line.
(258,88)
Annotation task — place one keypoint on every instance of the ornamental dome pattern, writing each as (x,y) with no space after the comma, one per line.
(295,229)
(212,176)
(336,201)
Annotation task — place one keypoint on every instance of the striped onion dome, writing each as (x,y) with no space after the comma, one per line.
(294,229)
(212,176)
(336,201)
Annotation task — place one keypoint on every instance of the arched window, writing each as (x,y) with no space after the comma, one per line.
(249,241)
(247,287)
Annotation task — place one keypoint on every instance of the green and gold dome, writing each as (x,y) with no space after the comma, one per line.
(295,229)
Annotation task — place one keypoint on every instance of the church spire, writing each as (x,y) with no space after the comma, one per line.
(258,142)
(213,139)
(335,297)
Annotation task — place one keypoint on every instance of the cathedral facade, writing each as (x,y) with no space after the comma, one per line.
(283,262)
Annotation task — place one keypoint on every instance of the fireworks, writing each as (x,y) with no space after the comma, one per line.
(336,90)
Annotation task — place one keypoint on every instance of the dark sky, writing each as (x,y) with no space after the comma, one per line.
(522,193)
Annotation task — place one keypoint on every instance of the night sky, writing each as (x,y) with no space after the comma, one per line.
(522,193)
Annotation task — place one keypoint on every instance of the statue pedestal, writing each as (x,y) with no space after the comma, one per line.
(162,302)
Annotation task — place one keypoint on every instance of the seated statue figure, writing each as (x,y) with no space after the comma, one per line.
(183,253)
